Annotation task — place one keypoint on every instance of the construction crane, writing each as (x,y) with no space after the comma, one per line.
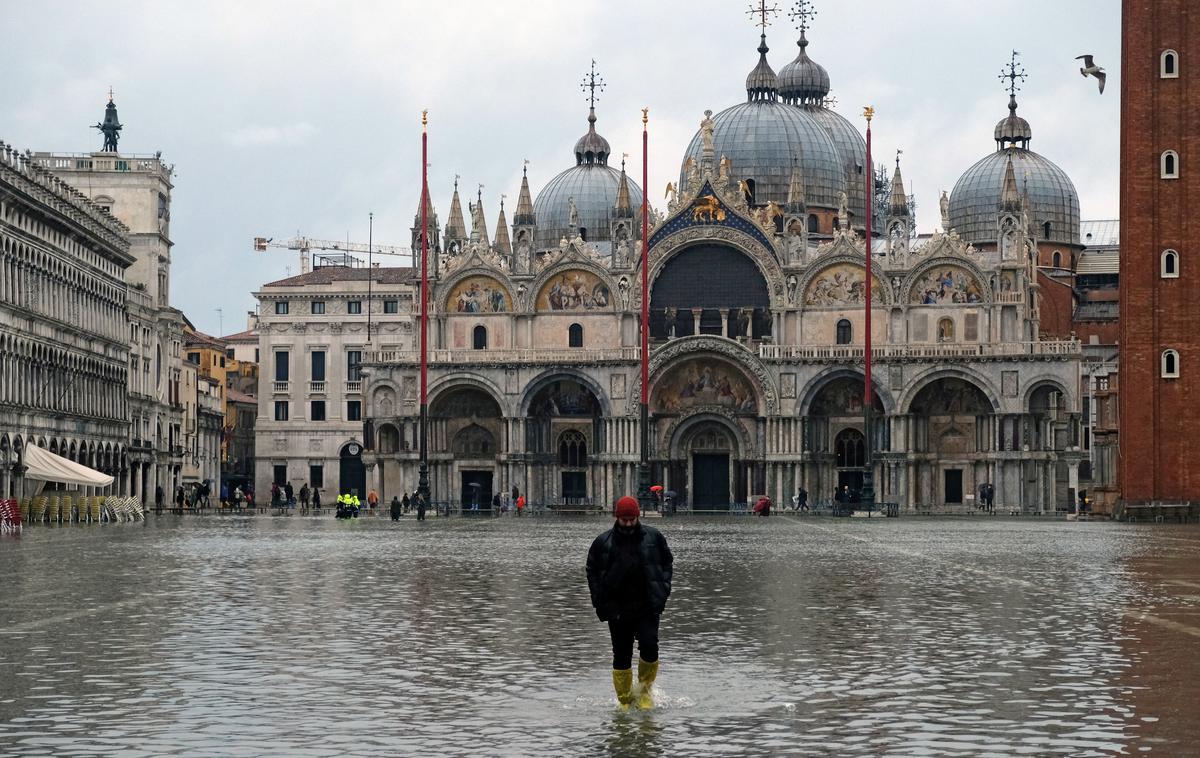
(305,246)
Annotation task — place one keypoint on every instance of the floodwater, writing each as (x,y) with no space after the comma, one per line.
(298,636)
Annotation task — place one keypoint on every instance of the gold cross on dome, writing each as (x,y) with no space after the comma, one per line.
(763,12)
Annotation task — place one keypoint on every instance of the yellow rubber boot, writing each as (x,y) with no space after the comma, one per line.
(647,673)
(623,684)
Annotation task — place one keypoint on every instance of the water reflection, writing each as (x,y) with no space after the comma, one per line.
(305,636)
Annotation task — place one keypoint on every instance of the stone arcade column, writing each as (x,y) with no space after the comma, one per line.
(696,320)
(724,322)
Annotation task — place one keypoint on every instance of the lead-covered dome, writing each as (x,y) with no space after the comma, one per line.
(763,138)
(975,200)
(592,185)
(803,81)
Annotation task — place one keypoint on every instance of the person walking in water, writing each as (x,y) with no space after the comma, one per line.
(395,508)
(629,571)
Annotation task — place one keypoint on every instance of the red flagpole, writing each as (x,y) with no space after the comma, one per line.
(423,476)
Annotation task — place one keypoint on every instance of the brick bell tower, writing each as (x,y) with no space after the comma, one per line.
(1160,273)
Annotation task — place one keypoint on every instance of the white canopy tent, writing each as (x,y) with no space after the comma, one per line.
(45,466)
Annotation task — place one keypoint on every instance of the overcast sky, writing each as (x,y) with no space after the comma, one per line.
(304,117)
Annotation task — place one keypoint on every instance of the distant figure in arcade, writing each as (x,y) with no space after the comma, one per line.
(763,506)
(629,571)
(420,501)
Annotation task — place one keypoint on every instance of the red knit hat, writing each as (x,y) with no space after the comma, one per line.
(627,507)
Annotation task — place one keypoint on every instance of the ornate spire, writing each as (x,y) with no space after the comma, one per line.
(478,222)
(762,84)
(1010,196)
(1013,130)
(591,147)
(524,215)
(624,208)
(796,200)
(456,229)
(803,81)
(898,203)
(502,244)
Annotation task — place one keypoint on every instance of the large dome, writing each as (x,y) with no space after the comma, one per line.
(762,138)
(975,200)
(592,185)
(594,189)
(853,150)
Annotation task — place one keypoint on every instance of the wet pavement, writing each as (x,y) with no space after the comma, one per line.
(310,637)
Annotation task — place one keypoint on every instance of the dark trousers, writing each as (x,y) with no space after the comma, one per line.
(623,630)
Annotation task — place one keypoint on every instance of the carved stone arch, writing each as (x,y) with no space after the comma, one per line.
(554,374)
(727,349)
(931,375)
(1046,380)
(461,379)
(766,259)
(819,382)
(680,428)
(444,289)
(528,301)
(914,276)
(379,389)
(827,262)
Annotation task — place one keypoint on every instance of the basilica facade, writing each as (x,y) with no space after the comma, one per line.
(757,303)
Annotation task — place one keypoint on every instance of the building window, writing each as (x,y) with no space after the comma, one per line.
(194,358)
(318,307)
(316,476)
(316,411)
(318,365)
(1170,364)
(279,474)
(281,410)
(479,338)
(354,410)
(391,306)
(572,449)
(1102,383)
(1056,259)
(575,336)
(281,308)
(354,307)
(1169,65)
(1170,264)
(1169,165)
(843,332)
(229,352)
(256,355)
(353,361)
(281,365)
(971,327)
(814,224)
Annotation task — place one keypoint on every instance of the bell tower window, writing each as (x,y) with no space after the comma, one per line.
(1169,165)
(1169,65)
(1170,264)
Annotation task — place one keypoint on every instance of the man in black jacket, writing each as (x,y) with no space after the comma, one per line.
(629,575)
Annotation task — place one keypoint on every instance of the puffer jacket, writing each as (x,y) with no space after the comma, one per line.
(604,577)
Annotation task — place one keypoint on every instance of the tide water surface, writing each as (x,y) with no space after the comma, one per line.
(306,636)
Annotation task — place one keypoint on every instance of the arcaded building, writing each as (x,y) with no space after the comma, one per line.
(757,312)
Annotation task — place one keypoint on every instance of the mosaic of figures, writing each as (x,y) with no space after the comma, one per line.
(944,285)
(479,294)
(840,284)
(574,291)
(842,397)
(704,381)
(951,395)
(564,397)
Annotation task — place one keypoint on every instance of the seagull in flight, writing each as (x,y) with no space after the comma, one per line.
(1091,68)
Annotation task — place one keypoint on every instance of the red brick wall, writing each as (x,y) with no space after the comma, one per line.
(1159,444)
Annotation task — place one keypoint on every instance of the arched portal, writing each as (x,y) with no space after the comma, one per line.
(951,425)
(710,289)
(467,426)
(712,480)
(563,425)
(352,475)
